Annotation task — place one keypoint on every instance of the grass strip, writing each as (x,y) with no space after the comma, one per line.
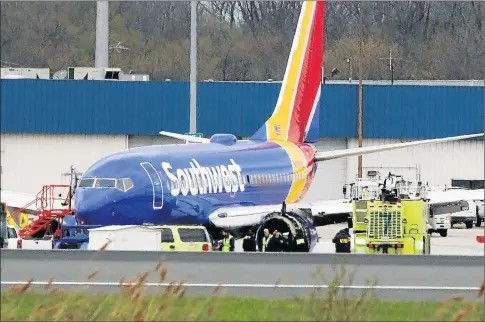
(58,305)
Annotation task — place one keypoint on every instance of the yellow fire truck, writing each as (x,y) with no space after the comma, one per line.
(390,222)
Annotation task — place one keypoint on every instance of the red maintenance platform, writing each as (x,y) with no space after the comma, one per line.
(53,203)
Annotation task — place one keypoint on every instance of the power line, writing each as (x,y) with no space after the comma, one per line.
(391,65)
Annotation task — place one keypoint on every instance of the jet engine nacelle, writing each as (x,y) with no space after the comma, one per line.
(302,234)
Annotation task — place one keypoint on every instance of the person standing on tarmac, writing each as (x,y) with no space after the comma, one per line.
(286,242)
(342,241)
(276,242)
(227,242)
(249,242)
(266,238)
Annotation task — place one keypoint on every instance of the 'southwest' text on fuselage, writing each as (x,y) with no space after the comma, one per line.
(204,180)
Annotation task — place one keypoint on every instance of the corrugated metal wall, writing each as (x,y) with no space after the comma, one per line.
(94,107)
(422,111)
(145,108)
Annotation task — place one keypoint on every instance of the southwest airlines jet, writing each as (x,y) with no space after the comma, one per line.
(225,183)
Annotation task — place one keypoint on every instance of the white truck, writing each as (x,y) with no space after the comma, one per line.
(438,222)
(125,238)
(13,241)
(46,242)
(467,216)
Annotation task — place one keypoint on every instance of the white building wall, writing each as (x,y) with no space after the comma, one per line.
(29,161)
(437,163)
(331,175)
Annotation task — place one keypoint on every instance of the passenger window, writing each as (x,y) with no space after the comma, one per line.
(247,180)
(188,235)
(86,183)
(105,183)
(167,236)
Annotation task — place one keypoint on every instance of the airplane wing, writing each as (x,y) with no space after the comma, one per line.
(234,217)
(184,137)
(453,195)
(336,154)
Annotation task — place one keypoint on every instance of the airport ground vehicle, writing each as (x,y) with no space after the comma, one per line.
(45,242)
(150,238)
(468,215)
(393,223)
(74,236)
(439,219)
(13,241)
(438,222)
(185,238)
(8,234)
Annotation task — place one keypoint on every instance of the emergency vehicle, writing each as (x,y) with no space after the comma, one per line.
(390,221)
(439,213)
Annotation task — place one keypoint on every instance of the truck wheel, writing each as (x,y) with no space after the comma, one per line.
(443,232)
(469,225)
(479,222)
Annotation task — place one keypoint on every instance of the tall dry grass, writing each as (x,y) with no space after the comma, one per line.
(172,304)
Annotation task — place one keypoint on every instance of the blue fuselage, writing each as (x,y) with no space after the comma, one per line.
(184,183)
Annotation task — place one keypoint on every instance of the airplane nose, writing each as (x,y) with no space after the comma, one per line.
(90,208)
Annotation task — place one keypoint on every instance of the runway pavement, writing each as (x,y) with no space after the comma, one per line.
(245,274)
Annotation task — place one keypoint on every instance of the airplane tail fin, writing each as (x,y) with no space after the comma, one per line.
(296,115)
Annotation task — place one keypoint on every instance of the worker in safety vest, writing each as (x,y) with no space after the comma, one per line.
(275,244)
(342,241)
(227,242)
(286,242)
(266,239)
(249,242)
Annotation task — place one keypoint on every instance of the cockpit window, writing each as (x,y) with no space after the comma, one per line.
(105,183)
(86,183)
(119,184)
(122,184)
(128,183)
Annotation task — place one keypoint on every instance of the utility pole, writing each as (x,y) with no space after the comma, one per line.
(102,34)
(359,130)
(193,67)
(391,65)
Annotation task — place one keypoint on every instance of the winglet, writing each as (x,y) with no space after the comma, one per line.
(184,137)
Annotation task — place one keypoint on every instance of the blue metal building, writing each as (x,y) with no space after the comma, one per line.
(145,108)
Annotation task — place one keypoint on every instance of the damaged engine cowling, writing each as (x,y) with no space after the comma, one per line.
(302,234)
